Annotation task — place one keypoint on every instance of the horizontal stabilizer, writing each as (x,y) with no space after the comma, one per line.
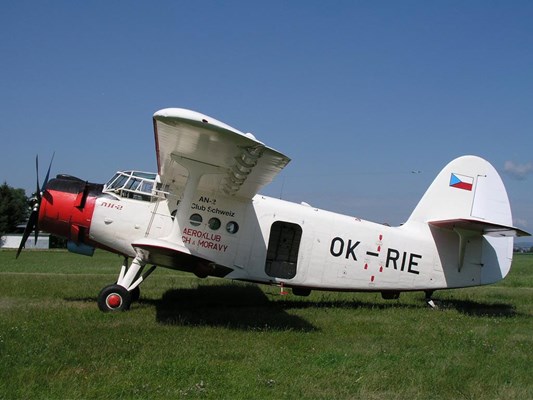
(480,226)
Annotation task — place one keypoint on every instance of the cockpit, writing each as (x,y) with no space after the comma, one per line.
(134,185)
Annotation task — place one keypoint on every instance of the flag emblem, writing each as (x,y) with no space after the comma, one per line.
(461,181)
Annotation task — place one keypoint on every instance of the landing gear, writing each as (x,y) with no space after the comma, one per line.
(135,294)
(114,298)
(429,300)
(119,296)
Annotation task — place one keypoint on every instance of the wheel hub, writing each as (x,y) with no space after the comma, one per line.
(114,300)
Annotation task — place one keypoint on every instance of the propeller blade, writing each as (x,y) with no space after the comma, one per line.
(32,222)
(36,226)
(38,190)
(48,173)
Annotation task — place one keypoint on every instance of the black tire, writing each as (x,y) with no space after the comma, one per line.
(298,291)
(135,294)
(114,298)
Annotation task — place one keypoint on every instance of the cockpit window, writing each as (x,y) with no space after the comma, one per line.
(147,186)
(110,182)
(119,181)
(134,185)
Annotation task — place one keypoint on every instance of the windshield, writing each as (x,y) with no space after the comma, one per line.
(133,184)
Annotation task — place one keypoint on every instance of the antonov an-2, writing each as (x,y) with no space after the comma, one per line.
(202,213)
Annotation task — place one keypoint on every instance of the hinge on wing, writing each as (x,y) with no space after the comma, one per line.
(244,163)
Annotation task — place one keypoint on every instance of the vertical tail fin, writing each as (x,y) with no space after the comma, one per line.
(468,198)
(467,188)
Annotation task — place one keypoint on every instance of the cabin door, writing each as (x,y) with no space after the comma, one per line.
(283,248)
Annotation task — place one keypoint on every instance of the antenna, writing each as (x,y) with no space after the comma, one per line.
(281,190)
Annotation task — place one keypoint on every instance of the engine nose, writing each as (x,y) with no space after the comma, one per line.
(67,208)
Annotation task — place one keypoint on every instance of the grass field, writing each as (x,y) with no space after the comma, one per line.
(214,339)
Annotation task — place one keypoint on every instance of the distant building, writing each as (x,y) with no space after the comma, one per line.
(12,241)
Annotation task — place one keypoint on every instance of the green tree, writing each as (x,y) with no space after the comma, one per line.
(13,208)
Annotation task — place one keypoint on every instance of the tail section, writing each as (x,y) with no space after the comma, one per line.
(469,215)
(467,188)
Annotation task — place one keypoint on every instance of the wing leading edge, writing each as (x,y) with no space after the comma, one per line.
(240,164)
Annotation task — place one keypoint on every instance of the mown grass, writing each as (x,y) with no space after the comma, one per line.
(214,339)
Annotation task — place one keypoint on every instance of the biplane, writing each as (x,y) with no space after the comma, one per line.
(202,213)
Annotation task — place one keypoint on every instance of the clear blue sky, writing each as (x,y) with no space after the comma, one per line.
(357,93)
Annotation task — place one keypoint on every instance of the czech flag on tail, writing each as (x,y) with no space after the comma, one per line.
(461,181)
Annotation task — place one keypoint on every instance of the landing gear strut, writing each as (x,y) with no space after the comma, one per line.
(119,296)
(429,300)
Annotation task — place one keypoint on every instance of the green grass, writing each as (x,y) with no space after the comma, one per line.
(214,339)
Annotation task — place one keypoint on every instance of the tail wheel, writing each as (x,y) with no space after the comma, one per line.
(114,298)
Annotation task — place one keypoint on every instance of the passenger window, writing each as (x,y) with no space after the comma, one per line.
(214,223)
(232,227)
(196,220)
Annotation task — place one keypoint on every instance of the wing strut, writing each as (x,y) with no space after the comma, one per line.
(196,170)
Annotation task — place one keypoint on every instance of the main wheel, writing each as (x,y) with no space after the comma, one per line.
(114,298)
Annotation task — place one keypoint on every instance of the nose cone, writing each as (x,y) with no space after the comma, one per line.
(67,208)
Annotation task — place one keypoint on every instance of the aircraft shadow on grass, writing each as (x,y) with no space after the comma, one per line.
(247,307)
(244,307)
(231,306)
(478,309)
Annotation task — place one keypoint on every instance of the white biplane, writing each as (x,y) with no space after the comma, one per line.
(202,213)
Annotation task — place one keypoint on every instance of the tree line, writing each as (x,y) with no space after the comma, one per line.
(14,208)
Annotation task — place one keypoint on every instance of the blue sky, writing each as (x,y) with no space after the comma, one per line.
(358,93)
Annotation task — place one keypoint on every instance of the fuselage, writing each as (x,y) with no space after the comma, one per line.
(263,240)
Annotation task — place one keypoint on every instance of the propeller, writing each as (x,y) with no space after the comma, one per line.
(33,220)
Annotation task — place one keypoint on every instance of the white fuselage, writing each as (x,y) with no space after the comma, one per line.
(278,241)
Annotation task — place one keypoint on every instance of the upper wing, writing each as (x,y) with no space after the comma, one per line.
(243,164)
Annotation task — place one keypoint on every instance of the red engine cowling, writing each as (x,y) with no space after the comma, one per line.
(67,208)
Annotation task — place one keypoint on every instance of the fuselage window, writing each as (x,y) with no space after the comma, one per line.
(232,227)
(196,219)
(214,223)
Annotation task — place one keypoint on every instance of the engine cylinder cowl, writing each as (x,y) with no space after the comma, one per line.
(67,208)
